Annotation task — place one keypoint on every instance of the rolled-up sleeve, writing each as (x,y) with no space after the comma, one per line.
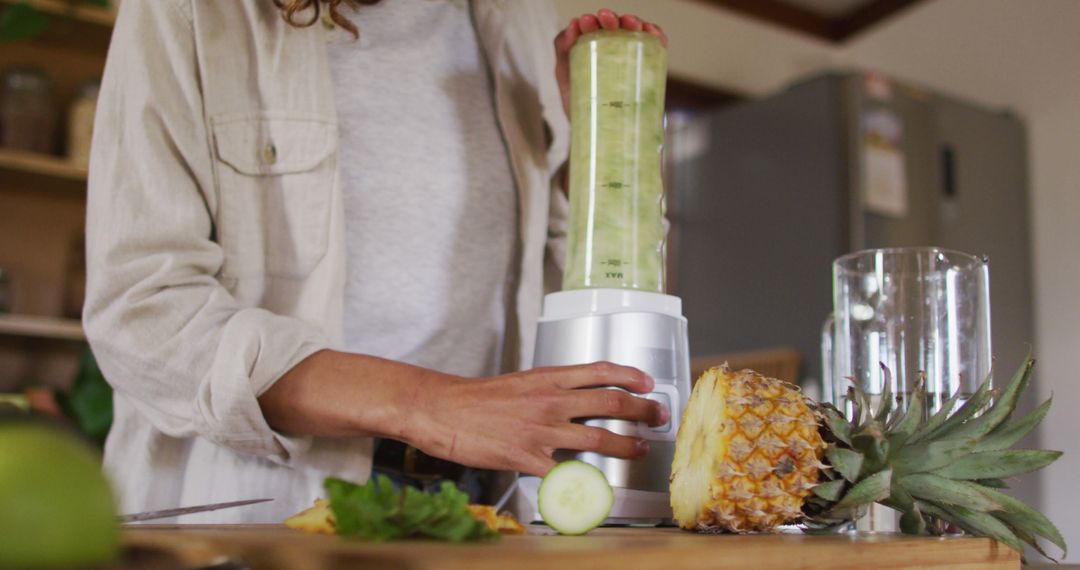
(167,335)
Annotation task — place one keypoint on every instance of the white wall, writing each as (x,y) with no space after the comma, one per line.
(1015,53)
(715,47)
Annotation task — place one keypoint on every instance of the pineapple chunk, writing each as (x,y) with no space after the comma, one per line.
(509,525)
(504,523)
(486,514)
(317,519)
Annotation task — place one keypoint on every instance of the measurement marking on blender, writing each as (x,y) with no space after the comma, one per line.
(616,185)
(613,263)
(618,104)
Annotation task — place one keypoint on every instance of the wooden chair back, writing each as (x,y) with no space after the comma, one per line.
(781,362)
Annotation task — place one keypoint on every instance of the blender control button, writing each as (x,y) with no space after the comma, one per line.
(666,401)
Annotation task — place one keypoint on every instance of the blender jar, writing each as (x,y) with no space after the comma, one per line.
(616,236)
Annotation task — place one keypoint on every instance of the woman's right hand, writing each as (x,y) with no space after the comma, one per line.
(516,421)
(603,19)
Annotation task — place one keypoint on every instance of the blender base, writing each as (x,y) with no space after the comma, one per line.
(632,506)
(641,329)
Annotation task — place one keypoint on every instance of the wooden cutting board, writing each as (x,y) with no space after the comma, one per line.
(274,547)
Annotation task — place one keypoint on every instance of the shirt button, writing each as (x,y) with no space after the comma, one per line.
(270,153)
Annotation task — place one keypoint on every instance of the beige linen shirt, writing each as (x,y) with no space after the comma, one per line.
(216,238)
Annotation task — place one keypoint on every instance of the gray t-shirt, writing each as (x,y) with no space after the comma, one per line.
(430,202)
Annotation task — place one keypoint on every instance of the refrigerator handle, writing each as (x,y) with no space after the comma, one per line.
(948,171)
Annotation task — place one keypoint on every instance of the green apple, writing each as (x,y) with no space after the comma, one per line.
(56,508)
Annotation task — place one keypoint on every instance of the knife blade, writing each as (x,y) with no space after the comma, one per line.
(165,513)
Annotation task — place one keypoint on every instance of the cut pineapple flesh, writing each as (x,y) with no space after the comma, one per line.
(702,445)
(747,454)
(503,523)
(316,519)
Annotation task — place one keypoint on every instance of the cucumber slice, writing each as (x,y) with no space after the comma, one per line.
(575,497)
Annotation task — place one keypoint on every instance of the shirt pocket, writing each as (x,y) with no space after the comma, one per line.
(276,173)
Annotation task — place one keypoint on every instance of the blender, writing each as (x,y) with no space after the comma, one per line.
(612,306)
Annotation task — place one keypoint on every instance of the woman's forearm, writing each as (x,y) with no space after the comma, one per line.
(339,394)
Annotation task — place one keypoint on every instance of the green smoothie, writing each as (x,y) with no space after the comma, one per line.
(616,236)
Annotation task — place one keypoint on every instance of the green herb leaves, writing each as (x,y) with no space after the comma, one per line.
(377,511)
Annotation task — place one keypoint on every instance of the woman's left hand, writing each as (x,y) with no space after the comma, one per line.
(603,19)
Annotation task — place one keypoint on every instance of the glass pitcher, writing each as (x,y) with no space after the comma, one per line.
(920,311)
(616,235)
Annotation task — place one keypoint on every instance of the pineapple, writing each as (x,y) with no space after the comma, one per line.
(316,519)
(747,455)
(503,523)
(752,453)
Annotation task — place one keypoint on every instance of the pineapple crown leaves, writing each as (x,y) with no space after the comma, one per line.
(947,467)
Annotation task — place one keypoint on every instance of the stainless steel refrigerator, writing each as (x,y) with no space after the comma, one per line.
(763,195)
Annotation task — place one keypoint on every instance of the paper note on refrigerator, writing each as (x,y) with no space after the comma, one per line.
(885,189)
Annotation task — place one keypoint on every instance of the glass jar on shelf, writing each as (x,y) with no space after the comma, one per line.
(5,291)
(27,110)
(81,123)
(75,278)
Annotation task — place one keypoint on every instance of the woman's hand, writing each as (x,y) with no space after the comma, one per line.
(516,421)
(604,19)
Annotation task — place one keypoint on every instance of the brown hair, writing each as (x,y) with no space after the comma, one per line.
(289,9)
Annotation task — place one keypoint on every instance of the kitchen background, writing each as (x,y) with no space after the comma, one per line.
(1003,73)
(1007,55)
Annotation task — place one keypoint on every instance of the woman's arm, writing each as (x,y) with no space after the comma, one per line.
(513,422)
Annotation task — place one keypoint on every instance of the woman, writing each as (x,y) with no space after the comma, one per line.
(302,237)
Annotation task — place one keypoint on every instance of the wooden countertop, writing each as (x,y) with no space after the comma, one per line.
(274,547)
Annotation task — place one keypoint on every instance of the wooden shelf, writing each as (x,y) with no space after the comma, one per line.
(76,31)
(43,201)
(76,12)
(41,327)
(17,161)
